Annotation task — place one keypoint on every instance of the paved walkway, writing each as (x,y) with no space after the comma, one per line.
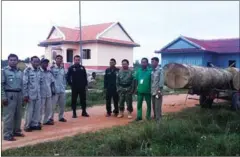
(171,103)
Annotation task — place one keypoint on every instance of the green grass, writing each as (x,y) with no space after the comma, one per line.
(194,131)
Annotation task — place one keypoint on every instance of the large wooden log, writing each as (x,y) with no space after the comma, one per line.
(236,81)
(236,77)
(195,77)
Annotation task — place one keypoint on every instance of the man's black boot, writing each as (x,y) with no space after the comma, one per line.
(85,114)
(74,114)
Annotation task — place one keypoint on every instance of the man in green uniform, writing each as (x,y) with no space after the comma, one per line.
(143,80)
(125,88)
(12,99)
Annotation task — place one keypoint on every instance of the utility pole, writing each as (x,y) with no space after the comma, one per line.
(80,32)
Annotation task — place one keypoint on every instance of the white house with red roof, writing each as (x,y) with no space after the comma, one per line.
(100,43)
(217,52)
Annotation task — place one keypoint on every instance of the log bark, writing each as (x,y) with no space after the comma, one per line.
(233,70)
(236,81)
(195,77)
(236,77)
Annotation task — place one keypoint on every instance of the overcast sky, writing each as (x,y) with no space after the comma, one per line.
(151,24)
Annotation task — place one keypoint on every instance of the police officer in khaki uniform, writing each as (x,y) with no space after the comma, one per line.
(47,89)
(11,84)
(31,92)
(60,85)
(157,83)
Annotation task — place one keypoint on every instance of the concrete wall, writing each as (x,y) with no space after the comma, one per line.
(49,50)
(116,32)
(76,51)
(94,55)
(106,52)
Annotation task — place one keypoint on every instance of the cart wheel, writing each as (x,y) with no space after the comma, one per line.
(236,101)
(205,102)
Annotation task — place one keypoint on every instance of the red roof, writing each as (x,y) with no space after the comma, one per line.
(218,45)
(89,33)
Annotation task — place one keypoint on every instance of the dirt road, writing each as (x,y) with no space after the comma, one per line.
(171,103)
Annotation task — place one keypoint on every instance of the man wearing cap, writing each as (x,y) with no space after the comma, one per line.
(11,84)
(47,89)
(31,92)
(59,98)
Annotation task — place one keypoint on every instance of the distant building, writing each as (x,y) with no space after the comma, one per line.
(101,42)
(218,52)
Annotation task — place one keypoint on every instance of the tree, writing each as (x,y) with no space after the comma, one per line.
(4,63)
(136,64)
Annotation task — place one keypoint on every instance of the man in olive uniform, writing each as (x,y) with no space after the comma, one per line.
(31,91)
(157,88)
(60,86)
(143,81)
(111,88)
(125,87)
(47,89)
(77,79)
(11,84)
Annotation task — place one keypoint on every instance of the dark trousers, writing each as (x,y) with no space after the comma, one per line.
(112,94)
(82,94)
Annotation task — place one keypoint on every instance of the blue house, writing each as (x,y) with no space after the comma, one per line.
(184,50)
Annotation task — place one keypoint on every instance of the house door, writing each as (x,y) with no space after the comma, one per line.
(232,63)
(69,56)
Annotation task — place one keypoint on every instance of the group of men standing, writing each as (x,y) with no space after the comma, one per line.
(42,89)
(121,84)
(39,87)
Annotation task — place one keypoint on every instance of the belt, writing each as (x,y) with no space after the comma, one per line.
(125,85)
(11,90)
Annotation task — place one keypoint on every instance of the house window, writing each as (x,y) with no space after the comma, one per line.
(232,63)
(86,54)
(209,64)
(69,55)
